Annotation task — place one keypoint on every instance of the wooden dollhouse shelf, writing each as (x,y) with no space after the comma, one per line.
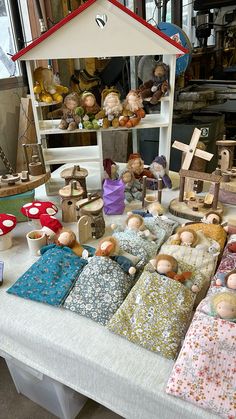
(47,127)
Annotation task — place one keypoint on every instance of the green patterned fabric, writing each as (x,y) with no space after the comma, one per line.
(155,314)
(100,290)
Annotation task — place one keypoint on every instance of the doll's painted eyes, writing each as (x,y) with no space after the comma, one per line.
(101,20)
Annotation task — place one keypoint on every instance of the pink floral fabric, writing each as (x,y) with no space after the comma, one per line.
(227,264)
(205,371)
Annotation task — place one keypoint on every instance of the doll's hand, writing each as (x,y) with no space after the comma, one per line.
(85,254)
(154,89)
(219,282)
(195,288)
(132,270)
(113,226)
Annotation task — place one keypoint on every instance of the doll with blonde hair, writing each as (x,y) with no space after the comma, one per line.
(223,305)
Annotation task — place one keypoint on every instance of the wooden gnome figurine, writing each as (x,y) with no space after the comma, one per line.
(158,86)
(87,110)
(70,119)
(132,110)
(111,108)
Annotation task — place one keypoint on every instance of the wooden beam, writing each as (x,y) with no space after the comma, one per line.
(208,177)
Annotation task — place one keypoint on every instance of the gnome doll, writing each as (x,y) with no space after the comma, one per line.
(136,165)
(158,169)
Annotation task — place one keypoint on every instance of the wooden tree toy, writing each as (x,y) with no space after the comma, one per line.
(91,223)
(70,195)
(76,173)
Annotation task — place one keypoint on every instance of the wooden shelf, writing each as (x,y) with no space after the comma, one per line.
(48,127)
(20,187)
(71,154)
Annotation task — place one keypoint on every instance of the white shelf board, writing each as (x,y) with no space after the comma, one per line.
(43,104)
(47,126)
(71,154)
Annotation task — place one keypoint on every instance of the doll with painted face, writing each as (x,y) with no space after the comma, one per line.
(132,110)
(87,110)
(223,305)
(111,108)
(185,237)
(136,165)
(133,188)
(229,280)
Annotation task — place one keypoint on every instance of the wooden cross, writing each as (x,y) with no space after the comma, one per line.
(191,150)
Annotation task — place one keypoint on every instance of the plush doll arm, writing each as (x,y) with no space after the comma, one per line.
(125,264)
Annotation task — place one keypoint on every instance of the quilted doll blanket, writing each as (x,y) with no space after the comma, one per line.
(213,231)
(205,371)
(101,288)
(155,314)
(145,249)
(50,279)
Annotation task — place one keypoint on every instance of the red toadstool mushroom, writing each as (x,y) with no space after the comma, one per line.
(7,223)
(50,225)
(37,208)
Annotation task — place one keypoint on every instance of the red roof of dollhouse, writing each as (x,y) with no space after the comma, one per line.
(79,11)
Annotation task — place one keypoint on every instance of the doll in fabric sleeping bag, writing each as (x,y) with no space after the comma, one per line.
(104,282)
(51,277)
(157,310)
(137,239)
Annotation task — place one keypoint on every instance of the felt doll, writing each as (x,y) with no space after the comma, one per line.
(69,119)
(229,280)
(135,223)
(212,217)
(168,266)
(110,169)
(223,305)
(136,164)
(133,189)
(158,169)
(185,237)
(132,110)
(111,108)
(157,87)
(155,209)
(68,238)
(87,110)
(109,247)
(46,88)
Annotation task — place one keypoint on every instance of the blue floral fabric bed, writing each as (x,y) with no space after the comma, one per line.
(50,279)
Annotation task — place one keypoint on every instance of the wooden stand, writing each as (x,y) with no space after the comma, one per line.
(90,208)
(20,187)
(76,173)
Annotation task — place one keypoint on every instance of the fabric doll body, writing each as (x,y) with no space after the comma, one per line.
(133,188)
(70,119)
(132,110)
(158,86)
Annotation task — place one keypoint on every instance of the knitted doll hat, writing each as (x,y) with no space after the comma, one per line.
(107,163)
(160,160)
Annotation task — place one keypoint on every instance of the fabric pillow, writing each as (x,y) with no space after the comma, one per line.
(100,290)
(155,314)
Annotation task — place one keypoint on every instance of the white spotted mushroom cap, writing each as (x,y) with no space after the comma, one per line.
(7,223)
(37,208)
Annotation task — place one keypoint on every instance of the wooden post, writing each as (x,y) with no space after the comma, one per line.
(181,188)
(144,189)
(159,189)
(216,195)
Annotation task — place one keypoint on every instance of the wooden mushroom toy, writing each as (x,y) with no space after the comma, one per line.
(7,223)
(33,210)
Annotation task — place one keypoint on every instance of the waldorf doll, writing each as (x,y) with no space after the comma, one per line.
(185,237)
(155,209)
(87,110)
(158,169)
(109,247)
(157,87)
(212,217)
(135,223)
(168,266)
(136,165)
(132,110)
(110,169)
(111,108)
(223,305)
(69,119)
(68,238)
(229,280)
(133,188)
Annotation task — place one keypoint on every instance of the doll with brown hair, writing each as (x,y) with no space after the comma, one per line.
(185,237)
(109,247)
(153,90)
(223,305)
(132,110)
(136,165)
(87,110)
(68,238)
(70,119)
(133,188)
(229,280)
(167,265)
(111,108)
